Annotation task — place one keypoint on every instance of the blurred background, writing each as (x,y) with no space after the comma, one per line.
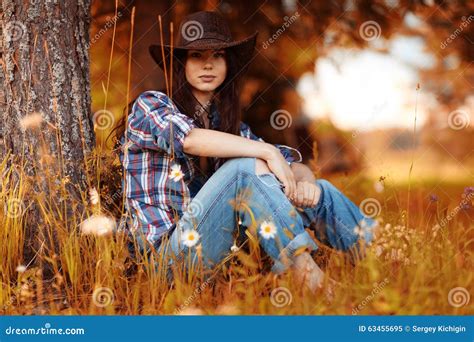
(371,88)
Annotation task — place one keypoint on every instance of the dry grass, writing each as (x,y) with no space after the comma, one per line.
(409,270)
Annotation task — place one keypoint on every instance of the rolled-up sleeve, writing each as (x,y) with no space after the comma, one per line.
(156,123)
(291,155)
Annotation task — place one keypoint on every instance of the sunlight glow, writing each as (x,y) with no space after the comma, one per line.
(364,90)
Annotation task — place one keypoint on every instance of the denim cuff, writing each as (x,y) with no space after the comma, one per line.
(285,259)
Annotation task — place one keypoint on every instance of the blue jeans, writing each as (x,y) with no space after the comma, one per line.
(236,198)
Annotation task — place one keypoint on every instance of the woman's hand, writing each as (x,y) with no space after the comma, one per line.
(280,168)
(307,194)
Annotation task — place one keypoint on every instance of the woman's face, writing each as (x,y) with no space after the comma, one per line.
(205,69)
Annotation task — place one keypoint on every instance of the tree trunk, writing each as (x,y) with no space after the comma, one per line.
(45,70)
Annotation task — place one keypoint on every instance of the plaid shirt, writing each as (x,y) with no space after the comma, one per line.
(160,178)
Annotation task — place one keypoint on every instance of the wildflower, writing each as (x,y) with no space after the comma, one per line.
(190,238)
(98,225)
(268,230)
(359,231)
(21,268)
(31,121)
(234,248)
(378,186)
(434,198)
(94,196)
(192,311)
(176,174)
(227,309)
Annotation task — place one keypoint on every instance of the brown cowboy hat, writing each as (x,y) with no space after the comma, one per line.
(206,30)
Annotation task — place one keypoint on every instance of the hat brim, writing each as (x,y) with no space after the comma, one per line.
(243,49)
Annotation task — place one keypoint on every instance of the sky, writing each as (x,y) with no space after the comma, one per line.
(365,89)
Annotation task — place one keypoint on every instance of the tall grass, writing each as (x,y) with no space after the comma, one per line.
(408,270)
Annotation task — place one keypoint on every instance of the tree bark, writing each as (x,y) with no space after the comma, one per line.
(45,70)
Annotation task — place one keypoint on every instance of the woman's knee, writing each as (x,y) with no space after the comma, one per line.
(325,185)
(261,166)
(235,165)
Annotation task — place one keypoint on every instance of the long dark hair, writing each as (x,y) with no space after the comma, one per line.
(226,97)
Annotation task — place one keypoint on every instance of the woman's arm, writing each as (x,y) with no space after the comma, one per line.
(211,143)
(302,173)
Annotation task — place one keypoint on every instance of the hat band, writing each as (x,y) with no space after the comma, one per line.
(205,41)
(207,36)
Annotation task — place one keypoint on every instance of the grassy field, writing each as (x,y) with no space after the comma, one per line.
(420,264)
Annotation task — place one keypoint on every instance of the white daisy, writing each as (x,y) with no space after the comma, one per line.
(190,238)
(98,225)
(21,268)
(176,174)
(268,230)
(234,248)
(94,196)
(378,186)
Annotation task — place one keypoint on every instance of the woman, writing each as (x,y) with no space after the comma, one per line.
(193,182)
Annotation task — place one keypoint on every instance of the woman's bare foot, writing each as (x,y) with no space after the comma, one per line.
(308,273)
